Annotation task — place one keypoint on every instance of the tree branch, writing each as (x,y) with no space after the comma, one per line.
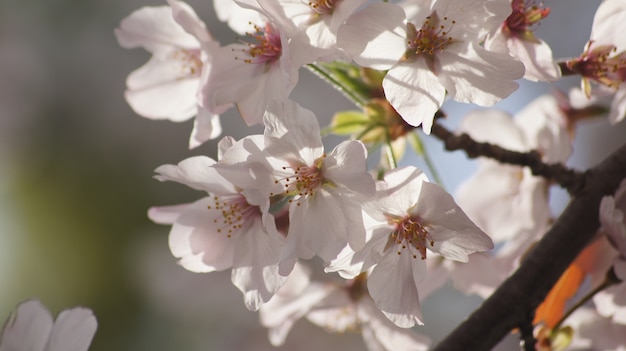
(565,177)
(510,304)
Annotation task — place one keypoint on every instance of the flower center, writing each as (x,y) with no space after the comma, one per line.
(190,61)
(323,7)
(265,47)
(231,213)
(304,181)
(525,15)
(599,65)
(409,233)
(432,38)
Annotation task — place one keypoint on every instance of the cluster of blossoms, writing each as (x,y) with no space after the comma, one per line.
(274,200)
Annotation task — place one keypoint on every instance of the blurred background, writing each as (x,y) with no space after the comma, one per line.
(76,167)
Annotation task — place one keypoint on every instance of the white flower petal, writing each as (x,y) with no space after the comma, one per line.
(28,328)
(291,303)
(206,126)
(346,166)
(380,334)
(608,24)
(318,226)
(496,127)
(472,74)
(537,59)
(375,36)
(187,18)
(398,193)
(415,92)
(292,133)
(336,312)
(393,289)
(237,17)
(618,105)
(198,173)
(154,29)
(455,236)
(473,18)
(255,267)
(195,239)
(161,89)
(73,330)
(166,214)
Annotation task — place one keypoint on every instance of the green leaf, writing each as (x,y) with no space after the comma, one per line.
(349,122)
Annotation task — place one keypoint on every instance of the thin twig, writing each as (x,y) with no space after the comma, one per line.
(565,177)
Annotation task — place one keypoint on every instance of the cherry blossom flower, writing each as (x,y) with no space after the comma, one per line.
(337,308)
(506,200)
(32,328)
(516,37)
(166,86)
(313,25)
(610,302)
(612,219)
(253,73)
(432,52)
(411,216)
(323,191)
(223,230)
(603,61)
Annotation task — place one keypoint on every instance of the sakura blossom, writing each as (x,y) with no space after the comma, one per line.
(250,74)
(610,302)
(312,25)
(603,62)
(410,217)
(270,201)
(508,200)
(323,190)
(612,219)
(433,52)
(32,328)
(338,308)
(516,37)
(165,87)
(222,230)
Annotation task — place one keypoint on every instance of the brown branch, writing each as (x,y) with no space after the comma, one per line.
(510,304)
(567,178)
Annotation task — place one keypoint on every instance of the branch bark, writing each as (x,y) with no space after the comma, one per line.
(511,303)
(567,178)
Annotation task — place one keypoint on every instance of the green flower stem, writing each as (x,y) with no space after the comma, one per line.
(391,157)
(337,84)
(365,131)
(429,162)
